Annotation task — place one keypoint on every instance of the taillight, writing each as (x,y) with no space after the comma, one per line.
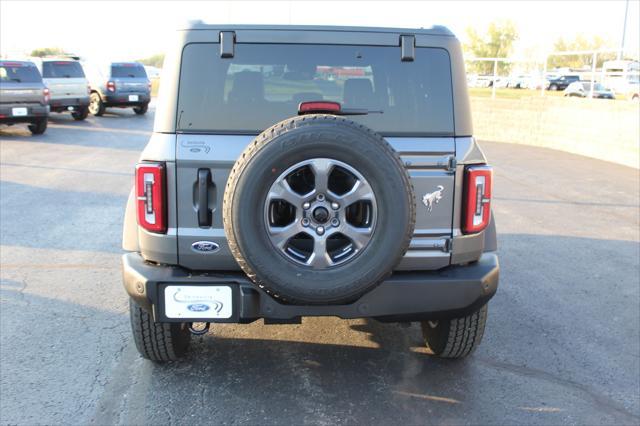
(151,197)
(88,89)
(46,94)
(477,197)
(149,86)
(111,86)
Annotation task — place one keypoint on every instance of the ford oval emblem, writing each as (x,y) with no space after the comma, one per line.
(205,247)
(198,307)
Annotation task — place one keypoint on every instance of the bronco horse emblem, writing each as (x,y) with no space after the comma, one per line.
(432,198)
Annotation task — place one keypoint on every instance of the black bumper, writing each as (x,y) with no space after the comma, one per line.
(34,112)
(405,296)
(122,100)
(59,105)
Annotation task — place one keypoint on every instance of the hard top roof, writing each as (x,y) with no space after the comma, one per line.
(200,25)
(9,62)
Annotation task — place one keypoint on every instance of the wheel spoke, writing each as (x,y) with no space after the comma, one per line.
(358,236)
(280,235)
(361,191)
(282,191)
(321,168)
(319,259)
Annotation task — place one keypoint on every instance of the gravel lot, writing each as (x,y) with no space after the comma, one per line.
(562,343)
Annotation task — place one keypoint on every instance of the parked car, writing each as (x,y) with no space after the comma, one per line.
(23,96)
(519,81)
(583,89)
(276,196)
(120,85)
(152,72)
(561,82)
(68,86)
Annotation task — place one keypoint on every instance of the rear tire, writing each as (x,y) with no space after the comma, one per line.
(81,114)
(96,106)
(38,127)
(141,110)
(158,342)
(553,87)
(457,337)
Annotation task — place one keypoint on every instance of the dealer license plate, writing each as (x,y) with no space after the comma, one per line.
(185,301)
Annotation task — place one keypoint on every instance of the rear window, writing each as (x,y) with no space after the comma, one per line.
(62,69)
(128,70)
(263,84)
(19,73)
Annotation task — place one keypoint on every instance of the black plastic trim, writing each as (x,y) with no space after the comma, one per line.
(405,296)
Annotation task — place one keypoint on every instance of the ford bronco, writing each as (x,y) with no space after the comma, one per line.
(310,171)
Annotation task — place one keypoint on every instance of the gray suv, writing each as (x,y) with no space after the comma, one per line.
(120,85)
(311,171)
(23,96)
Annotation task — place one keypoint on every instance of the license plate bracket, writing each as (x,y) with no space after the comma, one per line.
(197,303)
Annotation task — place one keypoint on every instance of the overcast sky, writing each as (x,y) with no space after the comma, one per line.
(121,30)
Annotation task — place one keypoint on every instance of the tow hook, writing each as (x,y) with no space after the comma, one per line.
(199,331)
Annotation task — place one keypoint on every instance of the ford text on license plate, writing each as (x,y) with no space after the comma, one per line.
(185,301)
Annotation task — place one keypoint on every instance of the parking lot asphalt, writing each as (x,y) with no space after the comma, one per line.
(562,343)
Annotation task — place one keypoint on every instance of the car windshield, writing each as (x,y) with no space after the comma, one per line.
(264,84)
(128,71)
(19,73)
(62,69)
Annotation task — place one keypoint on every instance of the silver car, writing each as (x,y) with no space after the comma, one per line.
(68,86)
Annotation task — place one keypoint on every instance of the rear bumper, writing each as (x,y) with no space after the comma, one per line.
(405,296)
(63,104)
(34,111)
(122,99)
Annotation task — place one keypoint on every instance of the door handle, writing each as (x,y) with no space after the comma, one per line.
(204,213)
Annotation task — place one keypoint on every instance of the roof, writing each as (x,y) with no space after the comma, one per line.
(200,25)
(12,61)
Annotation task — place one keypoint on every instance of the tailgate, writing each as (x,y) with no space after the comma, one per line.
(132,85)
(18,93)
(430,162)
(61,88)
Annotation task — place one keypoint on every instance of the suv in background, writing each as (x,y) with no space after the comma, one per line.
(68,86)
(311,171)
(23,96)
(561,82)
(120,85)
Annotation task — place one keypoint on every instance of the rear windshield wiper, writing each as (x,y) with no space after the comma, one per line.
(327,107)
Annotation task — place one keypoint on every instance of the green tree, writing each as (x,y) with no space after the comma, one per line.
(154,61)
(580,43)
(47,51)
(496,42)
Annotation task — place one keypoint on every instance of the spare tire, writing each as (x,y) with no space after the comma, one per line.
(318,209)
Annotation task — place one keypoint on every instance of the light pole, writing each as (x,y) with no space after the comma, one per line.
(624,29)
